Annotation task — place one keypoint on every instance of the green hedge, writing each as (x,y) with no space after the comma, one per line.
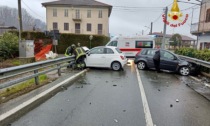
(198,54)
(67,39)
(31,35)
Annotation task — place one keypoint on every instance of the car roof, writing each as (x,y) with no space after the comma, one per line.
(155,49)
(112,47)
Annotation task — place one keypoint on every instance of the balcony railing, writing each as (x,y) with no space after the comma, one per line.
(77,17)
(201,27)
(77,31)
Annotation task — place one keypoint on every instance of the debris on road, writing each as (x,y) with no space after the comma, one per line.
(114,85)
(171,105)
(177,100)
(116,120)
(158,89)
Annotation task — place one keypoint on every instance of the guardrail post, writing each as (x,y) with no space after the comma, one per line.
(36,78)
(59,70)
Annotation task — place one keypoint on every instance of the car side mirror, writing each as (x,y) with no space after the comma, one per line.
(175,58)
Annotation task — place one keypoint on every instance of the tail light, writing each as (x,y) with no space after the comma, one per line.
(122,57)
(138,53)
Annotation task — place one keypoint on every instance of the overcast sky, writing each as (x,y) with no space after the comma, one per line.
(128,17)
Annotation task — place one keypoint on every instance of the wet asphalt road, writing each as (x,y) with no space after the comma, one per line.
(107,98)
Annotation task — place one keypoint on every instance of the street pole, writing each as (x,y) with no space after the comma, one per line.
(164,30)
(20,15)
(194,46)
(20,24)
(151,28)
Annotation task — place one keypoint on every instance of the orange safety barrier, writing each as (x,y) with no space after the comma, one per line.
(41,55)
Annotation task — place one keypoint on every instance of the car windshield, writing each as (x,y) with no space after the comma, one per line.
(118,50)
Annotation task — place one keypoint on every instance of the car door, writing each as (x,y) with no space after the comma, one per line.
(95,57)
(149,58)
(168,61)
(109,56)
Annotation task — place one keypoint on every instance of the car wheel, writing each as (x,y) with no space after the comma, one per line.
(116,66)
(141,65)
(83,65)
(184,70)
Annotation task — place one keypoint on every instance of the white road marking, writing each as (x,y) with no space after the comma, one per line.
(30,101)
(147,113)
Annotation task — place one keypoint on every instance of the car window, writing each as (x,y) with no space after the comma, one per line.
(97,51)
(167,55)
(118,50)
(143,52)
(108,51)
(151,52)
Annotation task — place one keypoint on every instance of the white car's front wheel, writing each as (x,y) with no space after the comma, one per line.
(116,66)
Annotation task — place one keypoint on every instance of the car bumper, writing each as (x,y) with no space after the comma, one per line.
(124,62)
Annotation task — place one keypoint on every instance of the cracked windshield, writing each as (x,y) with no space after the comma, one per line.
(104,63)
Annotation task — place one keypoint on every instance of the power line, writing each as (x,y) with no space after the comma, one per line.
(32,10)
(136,7)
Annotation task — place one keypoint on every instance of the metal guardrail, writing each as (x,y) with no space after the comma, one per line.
(196,61)
(36,69)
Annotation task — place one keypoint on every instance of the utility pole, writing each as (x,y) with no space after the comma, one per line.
(151,28)
(164,30)
(194,46)
(142,32)
(20,19)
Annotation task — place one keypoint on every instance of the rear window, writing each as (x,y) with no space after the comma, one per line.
(144,44)
(118,50)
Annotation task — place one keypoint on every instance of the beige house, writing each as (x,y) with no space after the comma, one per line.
(202,28)
(78,16)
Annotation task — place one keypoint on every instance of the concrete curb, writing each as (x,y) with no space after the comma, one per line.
(17,112)
(202,89)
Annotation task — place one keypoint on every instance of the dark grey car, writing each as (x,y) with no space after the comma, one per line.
(168,61)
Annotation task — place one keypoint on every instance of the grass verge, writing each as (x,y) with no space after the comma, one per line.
(22,88)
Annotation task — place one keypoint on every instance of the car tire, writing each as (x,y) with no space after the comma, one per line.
(116,66)
(141,65)
(83,65)
(184,71)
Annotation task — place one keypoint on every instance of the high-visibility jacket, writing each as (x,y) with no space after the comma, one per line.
(69,51)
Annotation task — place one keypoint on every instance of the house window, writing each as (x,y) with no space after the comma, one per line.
(55,26)
(100,27)
(208,15)
(66,14)
(54,12)
(77,28)
(100,14)
(77,14)
(66,26)
(88,27)
(89,14)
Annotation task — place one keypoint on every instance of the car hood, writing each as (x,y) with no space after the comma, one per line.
(183,62)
